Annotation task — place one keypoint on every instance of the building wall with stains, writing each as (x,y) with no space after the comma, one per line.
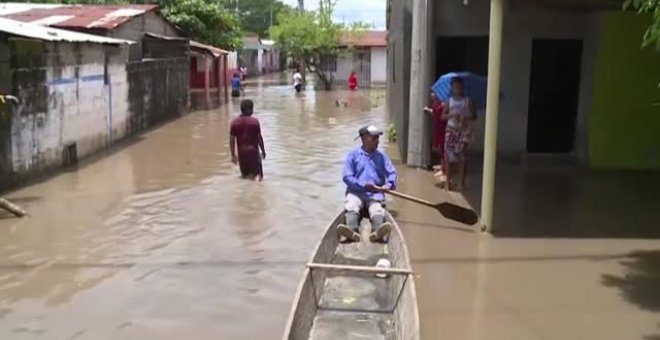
(6,109)
(135,29)
(158,91)
(78,99)
(73,101)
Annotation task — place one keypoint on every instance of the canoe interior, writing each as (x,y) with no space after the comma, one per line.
(342,304)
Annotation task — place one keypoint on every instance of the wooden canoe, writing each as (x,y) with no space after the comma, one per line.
(340,297)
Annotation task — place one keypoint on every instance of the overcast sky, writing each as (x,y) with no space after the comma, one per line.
(370,11)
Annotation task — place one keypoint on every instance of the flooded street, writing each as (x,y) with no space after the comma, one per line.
(162,240)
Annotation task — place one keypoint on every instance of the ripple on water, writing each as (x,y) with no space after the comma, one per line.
(165,225)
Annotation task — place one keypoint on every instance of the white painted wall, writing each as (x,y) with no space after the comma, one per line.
(344,68)
(81,108)
(520,27)
(378,65)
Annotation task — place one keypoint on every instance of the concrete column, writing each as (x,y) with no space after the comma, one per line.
(219,61)
(417,138)
(492,112)
(207,82)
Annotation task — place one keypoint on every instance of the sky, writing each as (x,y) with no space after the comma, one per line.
(370,11)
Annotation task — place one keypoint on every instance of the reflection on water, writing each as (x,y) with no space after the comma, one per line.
(162,240)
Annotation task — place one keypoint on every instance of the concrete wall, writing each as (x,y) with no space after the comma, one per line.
(158,91)
(344,68)
(134,29)
(71,94)
(6,110)
(521,26)
(398,70)
(625,115)
(78,98)
(378,65)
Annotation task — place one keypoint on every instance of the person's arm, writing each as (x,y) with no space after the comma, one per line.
(445,112)
(232,143)
(428,109)
(349,178)
(260,141)
(390,170)
(261,145)
(232,148)
(473,110)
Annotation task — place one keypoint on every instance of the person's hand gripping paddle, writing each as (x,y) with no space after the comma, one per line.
(448,210)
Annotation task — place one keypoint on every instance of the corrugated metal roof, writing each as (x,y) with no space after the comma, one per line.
(35,31)
(104,17)
(216,52)
(251,42)
(13,7)
(366,39)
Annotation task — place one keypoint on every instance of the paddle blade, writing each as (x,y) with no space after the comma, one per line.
(458,213)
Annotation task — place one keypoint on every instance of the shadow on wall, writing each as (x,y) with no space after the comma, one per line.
(640,283)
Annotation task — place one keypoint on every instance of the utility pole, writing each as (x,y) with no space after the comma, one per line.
(301,62)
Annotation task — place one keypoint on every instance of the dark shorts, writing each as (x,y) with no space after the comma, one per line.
(298,87)
(250,166)
(235,93)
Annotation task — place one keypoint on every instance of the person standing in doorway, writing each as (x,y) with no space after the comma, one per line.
(352,81)
(245,140)
(460,113)
(236,85)
(439,127)
(297,81)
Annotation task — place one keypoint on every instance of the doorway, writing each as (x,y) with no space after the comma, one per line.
(362,67)
(553,95)
(459,54)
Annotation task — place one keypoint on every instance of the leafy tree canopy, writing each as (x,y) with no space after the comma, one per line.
(652,8)
(312,36)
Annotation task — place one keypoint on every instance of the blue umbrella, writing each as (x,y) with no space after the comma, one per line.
(474,86)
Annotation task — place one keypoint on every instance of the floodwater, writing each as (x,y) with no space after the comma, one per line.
(160,239)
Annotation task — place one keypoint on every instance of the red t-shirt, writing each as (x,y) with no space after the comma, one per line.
(352,80)
(247,131)
(439,125)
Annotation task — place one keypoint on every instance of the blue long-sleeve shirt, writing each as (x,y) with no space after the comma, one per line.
(362,168)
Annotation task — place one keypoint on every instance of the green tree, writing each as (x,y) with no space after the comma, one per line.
(256,15)
(652,8)
(207,22)
(312,36)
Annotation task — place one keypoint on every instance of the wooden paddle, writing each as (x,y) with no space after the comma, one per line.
(448,210)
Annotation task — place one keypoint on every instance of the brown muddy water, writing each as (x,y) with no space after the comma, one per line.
(162,240)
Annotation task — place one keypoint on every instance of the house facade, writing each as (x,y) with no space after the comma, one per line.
(567,88)
(130,22)
(78,92)
(260,56)
(366,55)
(576,86)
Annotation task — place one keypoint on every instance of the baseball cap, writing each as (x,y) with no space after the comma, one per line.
(370,129)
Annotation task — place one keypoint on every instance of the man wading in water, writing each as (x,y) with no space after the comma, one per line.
(245,135)
(367,172)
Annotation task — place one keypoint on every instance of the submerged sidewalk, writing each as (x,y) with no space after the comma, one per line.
(576,283)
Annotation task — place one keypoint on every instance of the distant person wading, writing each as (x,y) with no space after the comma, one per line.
(236,85)
(297,81)
(245,137)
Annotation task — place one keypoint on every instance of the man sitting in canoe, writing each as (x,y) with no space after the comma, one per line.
(367,172)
